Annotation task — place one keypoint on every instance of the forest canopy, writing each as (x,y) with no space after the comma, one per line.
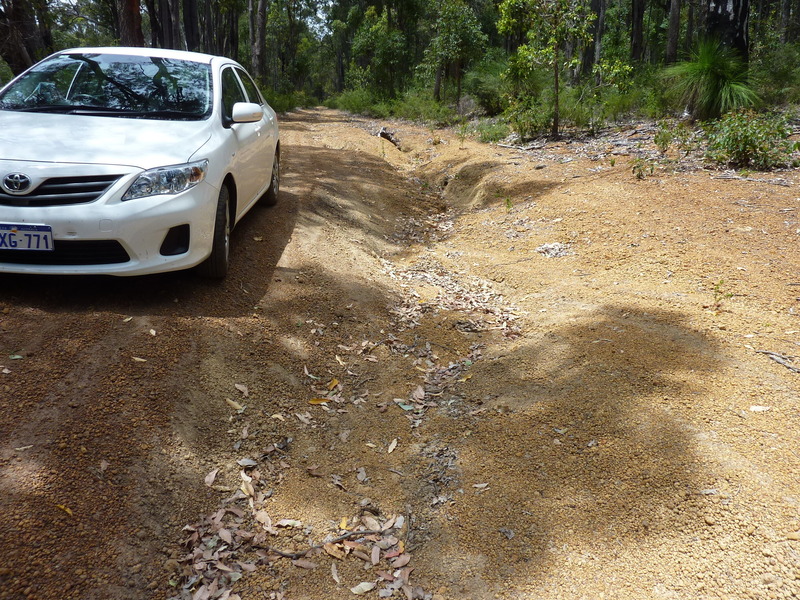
(536,63)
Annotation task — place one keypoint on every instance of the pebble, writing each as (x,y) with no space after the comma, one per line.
(710,520)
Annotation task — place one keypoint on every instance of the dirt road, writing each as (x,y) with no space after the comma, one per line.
(445,370)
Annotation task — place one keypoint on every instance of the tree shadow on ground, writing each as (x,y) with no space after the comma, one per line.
(576,438)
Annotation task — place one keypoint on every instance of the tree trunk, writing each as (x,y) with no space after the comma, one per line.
(130,23)
(554,129)
(673,31)
(727,21)
(23,41)
(592,52)
(637,29)
(437,86)
(156,35)
(786,12)
(689,42)
(259,40)
(190,25)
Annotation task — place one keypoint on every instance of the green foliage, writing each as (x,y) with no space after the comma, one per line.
(642,167)
(457,39)
(714,81)
(778,69)
(378,52)
(529,117)
(5,73)
(485,82)
(745,139)
(489,131)
(417,105)
(548,25)
(663,137)
(284,102)
(414,105)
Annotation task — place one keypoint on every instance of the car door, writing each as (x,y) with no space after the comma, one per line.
(247,166)
(269,135)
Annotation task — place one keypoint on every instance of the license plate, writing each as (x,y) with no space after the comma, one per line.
(25,237)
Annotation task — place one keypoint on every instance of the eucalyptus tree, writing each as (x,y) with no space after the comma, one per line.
(548,26)
(457,39)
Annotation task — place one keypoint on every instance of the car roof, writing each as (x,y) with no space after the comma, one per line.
(158,52)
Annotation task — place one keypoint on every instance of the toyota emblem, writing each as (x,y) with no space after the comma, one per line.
(16,183)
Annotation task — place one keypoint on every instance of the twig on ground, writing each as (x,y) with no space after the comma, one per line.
(341,538)
(780,359)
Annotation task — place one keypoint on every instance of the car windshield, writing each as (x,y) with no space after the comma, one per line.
(114,85)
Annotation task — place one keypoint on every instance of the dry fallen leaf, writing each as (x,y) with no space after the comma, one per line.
(66,509)
(363,587)
(289,523)
(211,477)
(335,573)
(304,563)
(225,536)
(137,359)
(401,561)
(242,388)
(371,523)
(233,404)
(334,550)
(392,446)
(317,401)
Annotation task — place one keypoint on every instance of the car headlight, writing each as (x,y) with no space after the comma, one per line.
(167,180)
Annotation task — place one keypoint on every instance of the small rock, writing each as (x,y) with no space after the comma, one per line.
(710,520)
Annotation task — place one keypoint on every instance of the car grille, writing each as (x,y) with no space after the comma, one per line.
(62,191)
(70,252)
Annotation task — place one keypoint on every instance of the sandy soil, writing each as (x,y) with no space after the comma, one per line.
(446,370)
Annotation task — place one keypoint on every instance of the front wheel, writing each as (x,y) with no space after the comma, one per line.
(271,195)
(216,265)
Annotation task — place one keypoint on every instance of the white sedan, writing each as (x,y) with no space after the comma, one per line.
(128,161)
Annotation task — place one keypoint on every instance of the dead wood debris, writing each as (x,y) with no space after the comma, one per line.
(781,359)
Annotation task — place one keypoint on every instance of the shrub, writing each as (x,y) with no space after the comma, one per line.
(284,102)
(484,82)
(491,131)
(745,139)
(355,101)
(529,117)
(778,68)
(419,105)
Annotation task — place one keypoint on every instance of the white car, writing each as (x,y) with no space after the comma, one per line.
(129,161)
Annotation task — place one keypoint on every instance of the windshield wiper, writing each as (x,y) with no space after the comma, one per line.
(164,114)
(54,108)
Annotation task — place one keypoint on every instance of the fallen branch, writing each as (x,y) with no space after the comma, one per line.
(341,538)
(780,359)
(776,181)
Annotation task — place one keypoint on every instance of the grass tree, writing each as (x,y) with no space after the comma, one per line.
(548,25)
(712,82)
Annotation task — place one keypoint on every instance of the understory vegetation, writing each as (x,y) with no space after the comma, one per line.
(510,70)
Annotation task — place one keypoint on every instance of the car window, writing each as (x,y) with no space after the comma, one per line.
(114,85)
(250,87)
(231,92)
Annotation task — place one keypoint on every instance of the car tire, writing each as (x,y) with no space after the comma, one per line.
(216,265)
(271,195)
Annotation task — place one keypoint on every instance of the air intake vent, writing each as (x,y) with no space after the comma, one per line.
(62,191)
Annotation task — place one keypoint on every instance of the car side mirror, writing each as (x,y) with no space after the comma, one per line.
(247,112)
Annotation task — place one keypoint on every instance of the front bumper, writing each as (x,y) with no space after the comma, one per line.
(107,230)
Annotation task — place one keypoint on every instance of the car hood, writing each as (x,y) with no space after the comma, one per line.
(142,143)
